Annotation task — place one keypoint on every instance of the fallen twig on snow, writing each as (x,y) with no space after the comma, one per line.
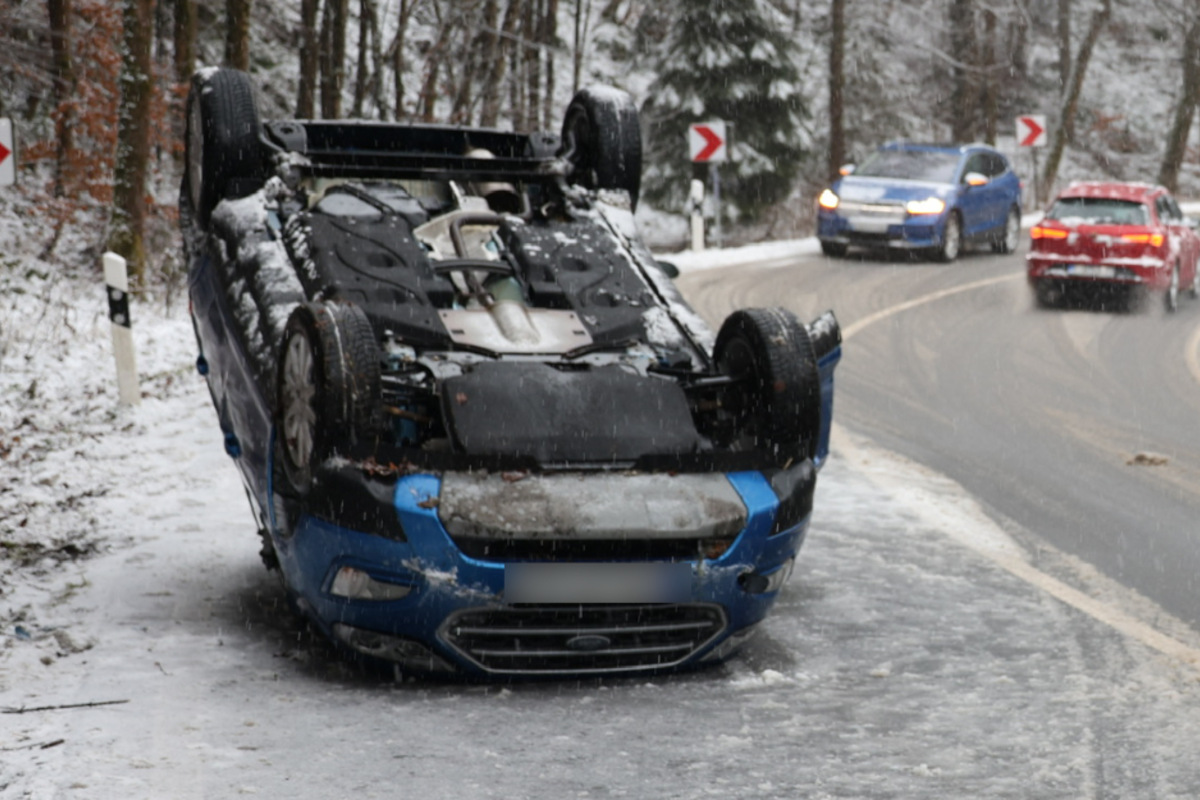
(23,710)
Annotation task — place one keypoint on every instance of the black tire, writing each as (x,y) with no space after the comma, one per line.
(602,141)
(1171,295)
(776,403)
(328,386)
(1011,236)
(951,244)
(223,155)
(834,249)
(1046,295)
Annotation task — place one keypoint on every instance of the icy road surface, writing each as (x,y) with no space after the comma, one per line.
(146,653)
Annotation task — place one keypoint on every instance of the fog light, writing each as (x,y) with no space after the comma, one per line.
(357,585)
(405,653)
(757,583)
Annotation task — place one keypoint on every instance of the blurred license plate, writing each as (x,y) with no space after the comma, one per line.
(598,583)
(1089,271)
(869,224)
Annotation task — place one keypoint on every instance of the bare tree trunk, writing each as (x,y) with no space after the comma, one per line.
(1018,42)
(433,67)
(64,88)
(126,231)
(489,48)
(237,34)
(991,78)
(376,88)
(837,86)
(185,40)
(581,31)
(489,115)
(362,73)
(516,84)
(396,54)
(472,65)
(333,57)
(533,72)
(962,35)
(549,37)
(1071,98)
(1063,33)
(310,48)
(1181,127)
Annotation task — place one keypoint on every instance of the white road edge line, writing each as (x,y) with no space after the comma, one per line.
(1004,557)
(853,328)
(1191,354)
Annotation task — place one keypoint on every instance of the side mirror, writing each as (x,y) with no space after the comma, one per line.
(669,269)
(975,179)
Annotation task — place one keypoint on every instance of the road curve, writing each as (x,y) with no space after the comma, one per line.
(1074,428)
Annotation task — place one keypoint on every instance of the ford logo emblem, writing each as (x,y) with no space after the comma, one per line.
(589,643)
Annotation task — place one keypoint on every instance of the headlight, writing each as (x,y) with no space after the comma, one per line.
(930,205)
(828,200)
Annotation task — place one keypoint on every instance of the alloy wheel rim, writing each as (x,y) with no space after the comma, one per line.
(1012,235)
(952,238)
(299,395)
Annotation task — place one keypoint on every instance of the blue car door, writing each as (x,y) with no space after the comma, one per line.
(984,208)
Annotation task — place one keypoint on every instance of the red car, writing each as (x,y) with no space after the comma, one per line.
(1124,236)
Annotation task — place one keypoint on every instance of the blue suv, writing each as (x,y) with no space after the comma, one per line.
(925,197)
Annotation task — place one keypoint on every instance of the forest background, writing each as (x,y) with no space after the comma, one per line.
(96,88)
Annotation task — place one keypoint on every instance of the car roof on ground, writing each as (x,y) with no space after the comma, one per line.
(1111,190)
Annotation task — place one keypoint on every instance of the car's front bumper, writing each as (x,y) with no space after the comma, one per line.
(456,614)
(892,229)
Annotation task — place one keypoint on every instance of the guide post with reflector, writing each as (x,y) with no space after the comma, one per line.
(116,282)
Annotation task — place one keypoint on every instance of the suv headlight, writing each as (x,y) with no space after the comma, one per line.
(828,200)
(930,205)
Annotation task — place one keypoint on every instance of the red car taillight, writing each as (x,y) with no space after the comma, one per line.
(1152,239)
(1040,232)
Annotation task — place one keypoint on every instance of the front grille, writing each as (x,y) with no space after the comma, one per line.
(582,639)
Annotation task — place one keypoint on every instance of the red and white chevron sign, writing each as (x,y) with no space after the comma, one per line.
(706,141)
(1031,131)
(8,169)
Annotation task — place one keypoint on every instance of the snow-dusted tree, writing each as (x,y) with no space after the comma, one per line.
(730,60)
(127,227)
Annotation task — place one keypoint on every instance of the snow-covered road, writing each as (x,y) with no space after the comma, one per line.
(903,659)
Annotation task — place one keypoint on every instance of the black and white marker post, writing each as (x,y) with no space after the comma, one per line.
(116,280)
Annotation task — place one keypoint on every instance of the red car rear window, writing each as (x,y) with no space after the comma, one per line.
(1098,211)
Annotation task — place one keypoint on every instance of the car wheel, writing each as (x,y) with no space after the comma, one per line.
(1171,296)
(222,152)
(602,141)
(328,387)
(951,239)
(1194,291)
(775,399)
(833,249)
(1012,234)
(1046,295)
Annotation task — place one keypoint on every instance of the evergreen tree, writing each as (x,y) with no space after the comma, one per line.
(731,60)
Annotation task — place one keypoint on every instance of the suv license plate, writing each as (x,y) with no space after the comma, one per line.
(657,582)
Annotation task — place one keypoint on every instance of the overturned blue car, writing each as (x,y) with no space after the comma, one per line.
(481,432)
